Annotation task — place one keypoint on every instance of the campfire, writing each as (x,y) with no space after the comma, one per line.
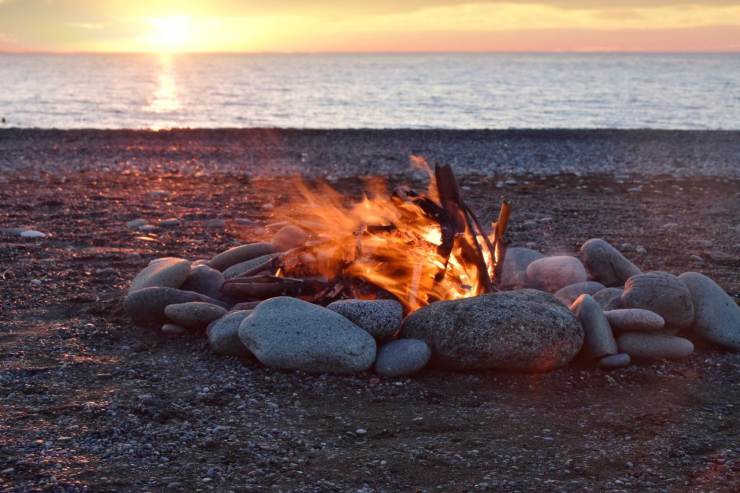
(418,248)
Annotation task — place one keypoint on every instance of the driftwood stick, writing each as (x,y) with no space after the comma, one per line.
(500,230)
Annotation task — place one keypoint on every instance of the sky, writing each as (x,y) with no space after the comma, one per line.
(380,25)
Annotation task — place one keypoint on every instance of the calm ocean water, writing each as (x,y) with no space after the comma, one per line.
(372,91)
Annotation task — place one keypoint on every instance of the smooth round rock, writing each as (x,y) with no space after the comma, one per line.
(239,254)
(237,270)
(645,345)
(136,223)
(380,318)
(634,320)
(223,334)
(164,273)
(609,298)
(522,330)
(195,315)
(513,273)
(554,273)
(291,334)
(716,315)
(205,280)
(614,361)
(570,293)
(173,329)
(662,293)
(32,234)
(606,264)
(146,306)
(289,237)
(599,340)
(402,357)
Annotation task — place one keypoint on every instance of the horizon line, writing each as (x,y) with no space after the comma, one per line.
(733,51)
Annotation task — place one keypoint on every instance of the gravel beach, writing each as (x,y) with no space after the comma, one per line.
(89,402)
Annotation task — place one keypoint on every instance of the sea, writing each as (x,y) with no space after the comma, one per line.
(454,91)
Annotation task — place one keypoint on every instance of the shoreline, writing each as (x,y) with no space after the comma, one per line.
(355,152)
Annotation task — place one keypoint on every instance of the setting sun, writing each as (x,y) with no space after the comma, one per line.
(171,34)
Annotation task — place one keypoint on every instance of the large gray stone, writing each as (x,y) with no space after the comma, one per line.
(514,269)
(599,340)
(554,273)
(195,315)
(239,254)
(568,294)
(402,357)
(291,334)
(716,315)
(524,330)
(223,334)
(380,318)
(606,264)
(146,306)
(241,268)
(205,280)
(646,345)
(634,320)
(609,298)
(662,293)
(163,272)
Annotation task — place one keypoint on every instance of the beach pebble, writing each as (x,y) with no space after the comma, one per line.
(514,269)
(146,306)
(136,223)
(166,272)
(609,298)
(237,270)
(289,237)
(148,228)
(554,273)
(215,224)
(614,361)
(239,254)
(380,318)
(569,293)
(195,315)
(662,293)
(32,234)
(522,330)
(646,345)
(634,319)
(402,357)
(599,340)
(291,334)
(172,329)
(223,334)
(205,280)
(169,223)
(716,315)
(606,264)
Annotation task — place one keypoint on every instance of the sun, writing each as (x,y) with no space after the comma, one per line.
(170,34)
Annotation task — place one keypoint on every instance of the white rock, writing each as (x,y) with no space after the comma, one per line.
(32,233)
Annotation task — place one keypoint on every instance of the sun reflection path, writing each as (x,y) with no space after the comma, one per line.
(165,97)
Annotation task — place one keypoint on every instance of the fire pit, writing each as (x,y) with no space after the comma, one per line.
(401,280)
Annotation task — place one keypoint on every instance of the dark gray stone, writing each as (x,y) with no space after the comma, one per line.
(380,318)
(568,294)
(237,270)
(613,361)
(606,264)
(402,357)
(609,298)
(634,320)
(523,330)
(146,306)
(662,293)
(599,340)
(162,272)
(195,315)
(514,269)
(239,254)
(716,315)
(205,280)
(291,334)
(223,334)
(646,345)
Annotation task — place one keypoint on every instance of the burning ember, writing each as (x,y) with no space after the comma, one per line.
(418,248)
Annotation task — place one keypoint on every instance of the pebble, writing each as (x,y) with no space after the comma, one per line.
(146,306)
(609,298)
(569,293)
(614,361)
(169,223)
(291,334)
(215,224)
(223,334)
(32,234)
(662,293)
(163,272)
(149,228)
(136,223)
(716,315)
(554,273)
(237,270)
(606,264)
(645,345)
(402,357)
(205,280)
(514,269)
(172,329)
(195,315)
(634,319)
(289,237)
(380,318)
(239,254)
(599,340)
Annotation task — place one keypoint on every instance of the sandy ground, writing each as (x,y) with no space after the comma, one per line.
(88,401)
